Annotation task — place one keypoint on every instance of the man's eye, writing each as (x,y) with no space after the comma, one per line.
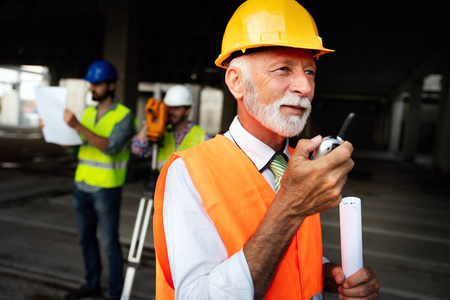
(284,69)
(310,72)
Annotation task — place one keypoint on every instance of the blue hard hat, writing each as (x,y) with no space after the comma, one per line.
(101,71)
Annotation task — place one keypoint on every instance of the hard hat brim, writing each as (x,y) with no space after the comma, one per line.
(224,58)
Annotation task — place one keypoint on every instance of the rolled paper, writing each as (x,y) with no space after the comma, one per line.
(351,235)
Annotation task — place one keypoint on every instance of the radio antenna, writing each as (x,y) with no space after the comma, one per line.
(346,125)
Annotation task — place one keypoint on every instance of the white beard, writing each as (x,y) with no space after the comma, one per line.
(270,115)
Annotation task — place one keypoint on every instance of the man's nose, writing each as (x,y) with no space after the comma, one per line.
(302,84)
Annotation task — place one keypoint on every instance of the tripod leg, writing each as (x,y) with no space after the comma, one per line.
(128,283)
(134,256)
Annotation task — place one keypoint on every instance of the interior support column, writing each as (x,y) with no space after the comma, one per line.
(412,121)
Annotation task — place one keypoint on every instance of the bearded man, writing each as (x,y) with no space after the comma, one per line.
(228,223)
(106,131)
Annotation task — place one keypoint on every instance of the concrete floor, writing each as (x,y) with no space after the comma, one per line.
(40,257)
(406,227)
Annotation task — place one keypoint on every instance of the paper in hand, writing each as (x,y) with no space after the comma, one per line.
(50,104)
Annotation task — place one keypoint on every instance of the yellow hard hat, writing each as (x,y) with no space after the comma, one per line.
(265,23)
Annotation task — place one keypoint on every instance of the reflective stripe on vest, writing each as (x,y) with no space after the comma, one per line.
(95,167)
(103,165)
(195,136)
(237,208)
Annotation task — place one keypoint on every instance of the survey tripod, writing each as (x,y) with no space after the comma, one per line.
(156,117)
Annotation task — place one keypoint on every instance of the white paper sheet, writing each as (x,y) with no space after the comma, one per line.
(351,235)
(76,96)
(50,104)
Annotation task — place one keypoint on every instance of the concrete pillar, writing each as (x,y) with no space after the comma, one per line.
(441,153)
(396,124)
(412,121)
(121,46)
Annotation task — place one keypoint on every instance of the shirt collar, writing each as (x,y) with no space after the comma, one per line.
(257,151)
(112,107)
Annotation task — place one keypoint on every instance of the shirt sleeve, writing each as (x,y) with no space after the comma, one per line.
(198,258)
(121,134)
(141,147)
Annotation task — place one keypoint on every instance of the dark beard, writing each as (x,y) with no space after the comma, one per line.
(101,98)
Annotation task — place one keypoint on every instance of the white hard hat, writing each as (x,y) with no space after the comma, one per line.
(178,95)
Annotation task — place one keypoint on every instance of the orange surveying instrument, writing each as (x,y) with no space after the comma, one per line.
(156,116)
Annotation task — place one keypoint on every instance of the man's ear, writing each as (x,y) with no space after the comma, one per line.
(187,111)
(235,82)
(111,86)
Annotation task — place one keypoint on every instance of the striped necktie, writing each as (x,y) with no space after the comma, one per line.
(277,167)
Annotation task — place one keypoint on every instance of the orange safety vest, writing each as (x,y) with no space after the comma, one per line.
(236,197)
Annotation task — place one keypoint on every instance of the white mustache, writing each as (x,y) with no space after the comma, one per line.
(294,100)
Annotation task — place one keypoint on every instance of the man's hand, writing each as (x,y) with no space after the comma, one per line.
(70,118)
(95,140)
(361,285)
(309,187)
(40,124)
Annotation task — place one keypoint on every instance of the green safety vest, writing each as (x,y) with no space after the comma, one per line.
(194,137)
(95,167)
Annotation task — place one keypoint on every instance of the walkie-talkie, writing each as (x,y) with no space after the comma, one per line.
(329,143)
